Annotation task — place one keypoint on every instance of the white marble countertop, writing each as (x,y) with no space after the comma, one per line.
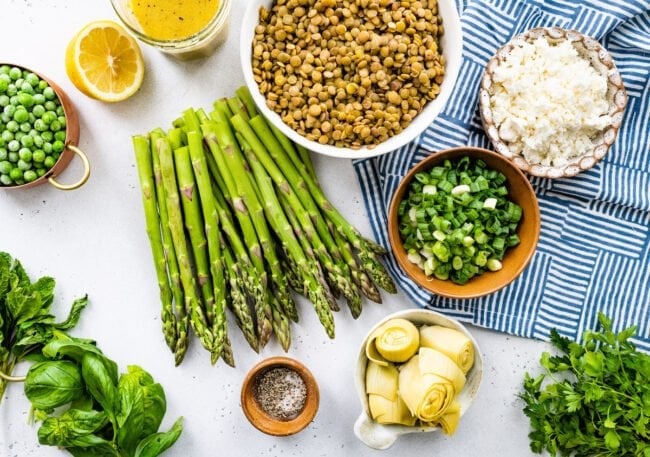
(93,241)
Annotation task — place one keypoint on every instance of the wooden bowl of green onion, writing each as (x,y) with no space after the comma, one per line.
(464,222)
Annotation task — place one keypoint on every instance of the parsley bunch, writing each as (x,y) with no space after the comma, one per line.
(596,401)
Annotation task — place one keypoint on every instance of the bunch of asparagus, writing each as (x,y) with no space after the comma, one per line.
(237,220)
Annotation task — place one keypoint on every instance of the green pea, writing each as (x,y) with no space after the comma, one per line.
(12,90)
(60,111)
(47,147)
(4,100)
(38,141)
(4,69)
(47,136)
(60,135)
(38,156)
(49,162)
(7,136)
(13,157)
(9,110)
(13,146)
(40,126)
(49,93)
(3,154)
(15,73)
(12,126)
(24,165)
(5,167)
(27,141)
(18,135)
(16,174)
(25,99)
(13,100)
(26,88)
(30,175)
(4,117)
(19,82)
(38,110)
(62,121)
(58,146)
(6,180)
(3,86)
(40,171)
(32,79)
(21,116)
(25,127)
(48,117)
(50,105)
(39,99)
(5,77)
(55,126)
(25,154)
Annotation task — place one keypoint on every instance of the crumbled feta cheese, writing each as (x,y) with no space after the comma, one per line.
(548,102)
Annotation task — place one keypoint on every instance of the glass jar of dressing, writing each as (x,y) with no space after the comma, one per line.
(185,29)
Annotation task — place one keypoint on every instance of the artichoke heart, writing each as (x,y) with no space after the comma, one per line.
(454,344)
(397,340)
(426,395)
(448,422)
(384,411)
(382,380)
(435,362)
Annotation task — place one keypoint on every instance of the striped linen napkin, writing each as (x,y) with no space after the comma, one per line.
(594,248)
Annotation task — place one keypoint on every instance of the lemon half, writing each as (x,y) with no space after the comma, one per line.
(104,62)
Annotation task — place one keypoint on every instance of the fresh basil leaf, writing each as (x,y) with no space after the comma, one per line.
(18,276)
(66,346)
(100,381)
(130,416)
(157,443)
(32,334)
(75,312)
(23,303)
(73,428)
(155,402)
(51,384)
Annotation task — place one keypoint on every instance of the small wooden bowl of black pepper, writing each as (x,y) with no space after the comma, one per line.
(280,396)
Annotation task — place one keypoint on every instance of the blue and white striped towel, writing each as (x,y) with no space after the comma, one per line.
(594,249)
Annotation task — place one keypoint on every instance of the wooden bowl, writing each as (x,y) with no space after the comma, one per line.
(266,422)
(616,96)
(516,258)
(71,142)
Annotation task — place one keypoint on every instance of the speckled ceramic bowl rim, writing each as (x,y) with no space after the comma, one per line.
(616,94)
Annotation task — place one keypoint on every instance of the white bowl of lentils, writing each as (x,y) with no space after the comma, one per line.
(351,78)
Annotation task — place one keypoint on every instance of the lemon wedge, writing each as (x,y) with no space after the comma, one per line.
(104,62)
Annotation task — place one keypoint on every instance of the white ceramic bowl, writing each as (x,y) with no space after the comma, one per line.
(452,47)
(380,436)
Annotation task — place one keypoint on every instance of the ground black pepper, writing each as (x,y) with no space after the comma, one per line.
(281,393)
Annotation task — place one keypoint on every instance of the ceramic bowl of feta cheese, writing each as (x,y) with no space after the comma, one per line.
(552,101)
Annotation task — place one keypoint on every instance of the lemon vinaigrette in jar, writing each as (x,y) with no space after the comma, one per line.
(185,29)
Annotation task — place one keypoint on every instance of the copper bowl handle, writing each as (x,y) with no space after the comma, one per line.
(84,177)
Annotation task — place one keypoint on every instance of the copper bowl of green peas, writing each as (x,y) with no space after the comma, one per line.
(39,131)
(464,222)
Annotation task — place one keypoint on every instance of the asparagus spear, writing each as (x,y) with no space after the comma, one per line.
(249,193)
(309,192)
(211,221)
(192,304)
(146,176)
(237,303)
(338,273)
(182,320)
(314,284)
(262,308)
